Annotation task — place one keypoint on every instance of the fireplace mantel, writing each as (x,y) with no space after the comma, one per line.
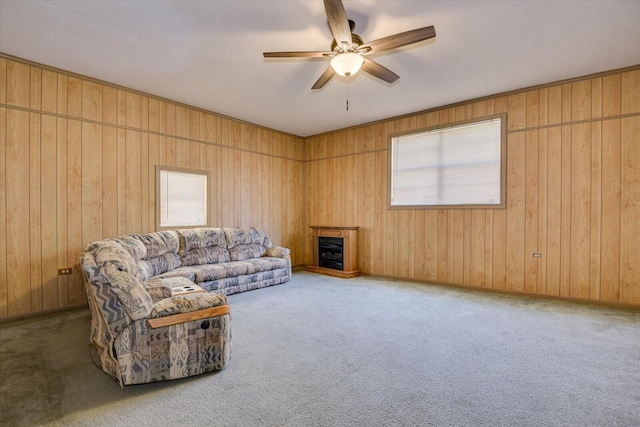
(349,237)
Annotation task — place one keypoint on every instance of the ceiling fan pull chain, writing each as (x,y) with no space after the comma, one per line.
(348,93)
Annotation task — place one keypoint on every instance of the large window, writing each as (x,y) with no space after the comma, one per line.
(183,196)
(462,165)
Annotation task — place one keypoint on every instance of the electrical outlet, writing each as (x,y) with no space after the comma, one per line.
(537,255)
(64,271)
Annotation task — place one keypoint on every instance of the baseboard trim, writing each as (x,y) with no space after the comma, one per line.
(511,292)
(43,313)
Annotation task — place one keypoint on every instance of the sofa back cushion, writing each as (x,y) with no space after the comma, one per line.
(161,253)
(133,246)
(202,246)
(159,243)
(246,242)
(148,268)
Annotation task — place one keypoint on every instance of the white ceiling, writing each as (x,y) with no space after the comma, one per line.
(209,53)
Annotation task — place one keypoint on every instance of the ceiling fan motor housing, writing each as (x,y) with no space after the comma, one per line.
(357,42)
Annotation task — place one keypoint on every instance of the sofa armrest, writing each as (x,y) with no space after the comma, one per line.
(189,316)
(278,252)
(186,303)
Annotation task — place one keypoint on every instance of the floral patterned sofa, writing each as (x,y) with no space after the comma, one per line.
(147,323)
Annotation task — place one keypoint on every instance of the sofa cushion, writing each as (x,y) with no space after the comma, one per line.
(206,273)
(210,255)
(159,243)
(232,285)
(242,252)
(202,246)
(188,272)
(201,238)
(158,265)
(245,236)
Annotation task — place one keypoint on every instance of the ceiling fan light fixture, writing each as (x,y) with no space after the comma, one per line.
(347,63)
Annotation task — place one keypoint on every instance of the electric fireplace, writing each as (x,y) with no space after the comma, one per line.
(335,251)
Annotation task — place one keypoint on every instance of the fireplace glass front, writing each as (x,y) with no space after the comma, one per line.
(330,252)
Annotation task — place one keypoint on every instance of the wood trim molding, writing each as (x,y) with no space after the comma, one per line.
(188,317)
(514,293)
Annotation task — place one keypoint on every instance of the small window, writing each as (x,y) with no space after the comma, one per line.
(182,198)
(462,165)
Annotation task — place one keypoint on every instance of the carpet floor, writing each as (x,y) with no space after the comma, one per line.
(322,351)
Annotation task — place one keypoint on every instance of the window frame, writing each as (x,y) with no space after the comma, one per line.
(205,173)
(503,164)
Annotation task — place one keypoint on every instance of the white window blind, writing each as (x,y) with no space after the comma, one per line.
(455,166)
(183,198)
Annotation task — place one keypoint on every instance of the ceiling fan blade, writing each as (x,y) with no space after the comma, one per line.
(324,78)
(338,22)
(377,70)
(400,39)
(301,54)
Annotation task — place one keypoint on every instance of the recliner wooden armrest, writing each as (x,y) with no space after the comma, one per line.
(174,319)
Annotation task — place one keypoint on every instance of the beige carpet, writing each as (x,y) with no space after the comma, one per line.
(322,351)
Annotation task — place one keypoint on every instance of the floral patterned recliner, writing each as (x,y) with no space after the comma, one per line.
(145,326)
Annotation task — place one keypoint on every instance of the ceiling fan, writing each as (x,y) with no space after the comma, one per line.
(348,50)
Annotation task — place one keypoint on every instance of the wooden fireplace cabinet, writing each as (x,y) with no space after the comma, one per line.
(349,236)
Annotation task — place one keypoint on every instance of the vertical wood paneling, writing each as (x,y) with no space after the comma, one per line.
(91,101)
(516,221)
(565,206)
(48,177)
(74,210)
(74,97)
(109,105)
(35,101)
(531,194)
(630,210)
(17,211)
(144,184)
(91,182)
(3,81)
(109,181)
(18,84)
(611,95)
(554,210)
(61,207)
(572,187)
(121,181)
(49,91)
(35,230)
(580,210)
(133,221)
(4,301)
(62,94)
(630,92)
(596,210)
(611,231)
(543,210)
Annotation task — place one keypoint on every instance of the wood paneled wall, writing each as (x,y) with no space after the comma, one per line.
(77,164)
(573,195)
(78,156)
